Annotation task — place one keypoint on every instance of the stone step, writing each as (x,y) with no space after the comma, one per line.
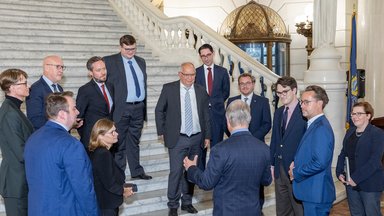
(101,5)
(143,203)
(45,7)
(60,21)
(153,163)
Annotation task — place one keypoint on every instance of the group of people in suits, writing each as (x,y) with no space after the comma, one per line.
(51,168)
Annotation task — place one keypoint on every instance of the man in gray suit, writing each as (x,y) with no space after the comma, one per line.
(127,74)
(182,120)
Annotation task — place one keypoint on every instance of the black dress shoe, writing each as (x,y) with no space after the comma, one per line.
(142,176)
(189,209)
(172,212)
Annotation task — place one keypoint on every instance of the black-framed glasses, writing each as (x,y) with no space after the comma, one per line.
(188,75)
(306,102)
(130,49)
(58,67)
(283,93)
(357,114)
(245,84)
(206,56)
(23,83)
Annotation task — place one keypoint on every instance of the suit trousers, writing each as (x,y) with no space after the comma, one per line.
(363,203)
(16,206)
(129,128)
(109,212)
(217,135)
(286,203)
(177,181)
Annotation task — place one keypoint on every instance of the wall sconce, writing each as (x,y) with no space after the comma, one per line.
(305,28)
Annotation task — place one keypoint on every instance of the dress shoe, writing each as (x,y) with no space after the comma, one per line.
(189,209)
(172,212)
(142,176)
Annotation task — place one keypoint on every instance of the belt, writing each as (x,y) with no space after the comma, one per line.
(132,103)
(185,135)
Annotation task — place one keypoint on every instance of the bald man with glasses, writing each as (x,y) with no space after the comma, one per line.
(53,70)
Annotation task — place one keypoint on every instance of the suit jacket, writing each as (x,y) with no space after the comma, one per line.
(261,116)
(116,76)
(108,179)
(236,169)
(36,102)
(220,89)
(59,174)
(286,145)
(92,106)
(312,173)
(168,113)
(15,129)
(369,171)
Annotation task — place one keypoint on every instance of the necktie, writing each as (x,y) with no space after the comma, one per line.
(137,86)
(246,100)
(284,121)
(210,81)
(54,87)
(188,114)
(105,95)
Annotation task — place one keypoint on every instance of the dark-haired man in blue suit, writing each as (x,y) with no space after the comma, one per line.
(215,80)
(311,169)
(289,126)
(53,69)
(236,168)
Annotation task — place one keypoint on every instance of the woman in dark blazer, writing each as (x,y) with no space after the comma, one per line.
(15,129)
(108,179)
(364,146)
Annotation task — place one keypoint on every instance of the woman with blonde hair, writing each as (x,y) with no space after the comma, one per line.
(108,178)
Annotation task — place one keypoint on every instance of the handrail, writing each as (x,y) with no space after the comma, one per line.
(168,38)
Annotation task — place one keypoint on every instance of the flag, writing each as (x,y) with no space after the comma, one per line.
(352,81)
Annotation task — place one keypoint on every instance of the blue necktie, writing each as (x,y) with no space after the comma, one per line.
(54,88)
(137,86)
(188,114)
(284,121)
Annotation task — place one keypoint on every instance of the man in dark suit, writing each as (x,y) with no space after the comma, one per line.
(259,107)
(94,99)
(215,80)
(261,114)
(289,126)
(127,74)
(15,129)
(236,168)
(53,69)
(182,120)
(58,170)
(311,169)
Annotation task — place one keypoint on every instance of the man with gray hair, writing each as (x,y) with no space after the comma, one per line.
(236,168)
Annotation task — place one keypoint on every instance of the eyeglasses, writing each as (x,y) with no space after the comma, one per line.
(357,114)
(23,83)
(206,56)
(306,102)
(245,84)
(114,132)
(188,75)
(129,49)
(58,67)
(283,93)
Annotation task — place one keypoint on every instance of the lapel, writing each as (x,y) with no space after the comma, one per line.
(202,77)
(291,124)
(120,66)
(216,76)
(176,95)
(363,139)
(309,131)
(253,102)
(100,93)
(21,114)
(46,87)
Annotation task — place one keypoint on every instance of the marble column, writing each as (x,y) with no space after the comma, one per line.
(325,69)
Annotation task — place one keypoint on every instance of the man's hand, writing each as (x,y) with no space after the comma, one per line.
(273,173)
(206,143)
(188,163)
(127,192)
(79,122)
(342,179)
(352,183)
(160,137)
(290,172)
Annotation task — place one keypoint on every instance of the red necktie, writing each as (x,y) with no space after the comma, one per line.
(105,95)
(210,84)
